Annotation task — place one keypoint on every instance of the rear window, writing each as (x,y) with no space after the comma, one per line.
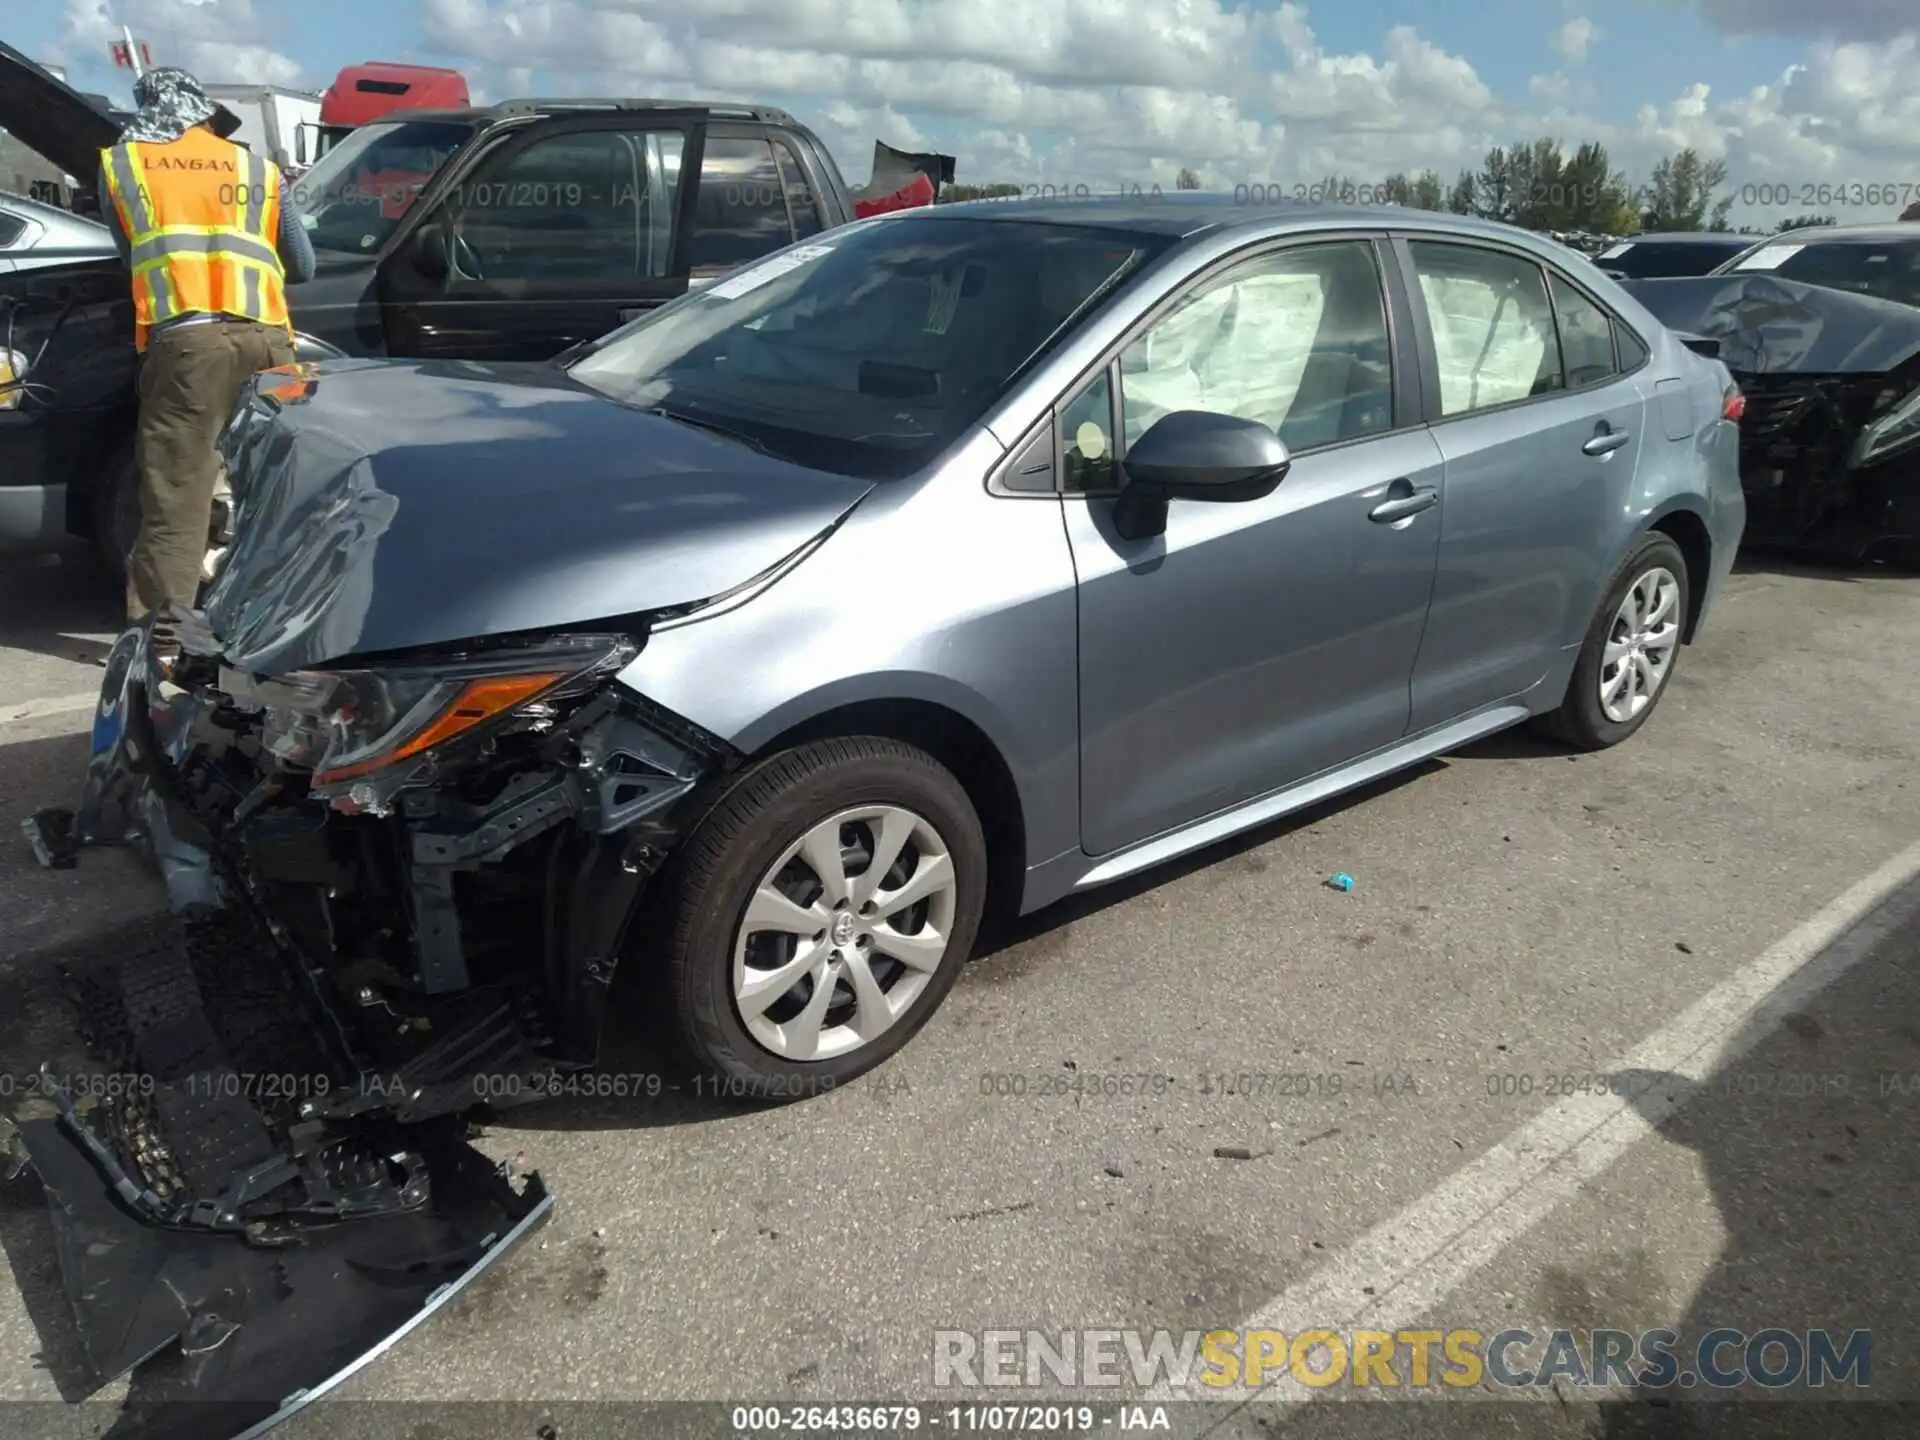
(868,349)
(1887,270)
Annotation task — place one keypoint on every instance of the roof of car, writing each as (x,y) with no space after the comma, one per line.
(1880,230)
(1692,237)
(47,214)
(1183,213)
(513,109)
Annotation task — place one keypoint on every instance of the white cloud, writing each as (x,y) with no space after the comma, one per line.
(1575,38)
(1117,93)
(218,41)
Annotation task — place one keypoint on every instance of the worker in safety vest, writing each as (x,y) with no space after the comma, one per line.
(213,238)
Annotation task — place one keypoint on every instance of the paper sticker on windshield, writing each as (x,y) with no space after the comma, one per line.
(1771,258)
(772,268)
(1614,252)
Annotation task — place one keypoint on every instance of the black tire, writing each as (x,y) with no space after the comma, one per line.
(1579,721)
(717,868)
(116,513)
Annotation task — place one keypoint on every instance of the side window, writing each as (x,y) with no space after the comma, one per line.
(1633,353)
(12,227)
(1297,340)
(802,203)
(566,209)
(1586,335)
(1086,439)
(742,210)
(1493,330)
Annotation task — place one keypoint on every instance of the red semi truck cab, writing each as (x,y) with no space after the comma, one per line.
(361,94)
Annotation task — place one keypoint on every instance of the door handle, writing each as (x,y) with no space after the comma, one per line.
(1401,506)
(1606,441)
(633,312)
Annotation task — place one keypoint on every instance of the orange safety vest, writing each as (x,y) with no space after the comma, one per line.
(203,215)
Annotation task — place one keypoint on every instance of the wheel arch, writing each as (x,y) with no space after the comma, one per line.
(955,738)
(1681,522)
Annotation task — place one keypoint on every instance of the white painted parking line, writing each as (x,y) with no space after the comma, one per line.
(1402,1269)
(50,705)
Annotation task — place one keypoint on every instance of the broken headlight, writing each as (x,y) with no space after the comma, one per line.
(382,724)
(1894,427)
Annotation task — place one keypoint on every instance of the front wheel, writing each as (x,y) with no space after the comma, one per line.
(1630,650)
(821,913)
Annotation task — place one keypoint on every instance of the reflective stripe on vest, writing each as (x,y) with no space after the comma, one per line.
(201,214)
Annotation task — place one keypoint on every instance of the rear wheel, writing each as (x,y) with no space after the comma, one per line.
(821,913)
(1630,650)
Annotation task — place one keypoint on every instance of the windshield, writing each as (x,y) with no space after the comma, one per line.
(872,348)
(1661,260)
(1885,269)
(358,191)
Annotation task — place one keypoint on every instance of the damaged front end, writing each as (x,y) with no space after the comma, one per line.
(1830,440)
(402,887)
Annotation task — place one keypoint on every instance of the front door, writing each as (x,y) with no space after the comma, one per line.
(1258,643)
(1541,433)
(549,240)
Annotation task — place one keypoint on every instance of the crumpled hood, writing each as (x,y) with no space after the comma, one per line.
(1766,325)
(385,505)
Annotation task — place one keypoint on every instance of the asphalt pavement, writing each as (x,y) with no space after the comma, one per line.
(1372,1109)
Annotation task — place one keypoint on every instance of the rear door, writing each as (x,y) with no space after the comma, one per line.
(1539,420)
(755,196)
(554,237)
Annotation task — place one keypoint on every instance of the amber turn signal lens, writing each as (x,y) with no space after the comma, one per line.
(481,700)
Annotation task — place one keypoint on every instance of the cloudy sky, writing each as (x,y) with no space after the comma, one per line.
(1119,93)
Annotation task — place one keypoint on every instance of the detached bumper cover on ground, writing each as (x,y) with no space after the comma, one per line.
(276,1183)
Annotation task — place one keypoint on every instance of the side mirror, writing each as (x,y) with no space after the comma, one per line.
(427,251)
(300,144)
(1195,455)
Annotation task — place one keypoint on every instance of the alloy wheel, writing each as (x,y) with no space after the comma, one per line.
(1640,645)
(844,932)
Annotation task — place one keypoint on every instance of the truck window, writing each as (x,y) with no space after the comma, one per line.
(580,207)
(802,204)
(741,213)
(358,193)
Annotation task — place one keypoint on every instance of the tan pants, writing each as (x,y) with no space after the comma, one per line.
(190,380)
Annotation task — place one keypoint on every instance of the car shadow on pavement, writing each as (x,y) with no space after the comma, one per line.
(1810,1142)
(53,604)
(1788,566)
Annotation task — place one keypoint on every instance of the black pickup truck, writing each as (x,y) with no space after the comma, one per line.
(511,232)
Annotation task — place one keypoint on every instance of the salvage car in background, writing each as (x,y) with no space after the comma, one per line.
(681,655)
(1659,256)
(511,232)
(33,234)
(1821,328)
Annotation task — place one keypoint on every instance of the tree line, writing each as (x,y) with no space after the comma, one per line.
(1535,184)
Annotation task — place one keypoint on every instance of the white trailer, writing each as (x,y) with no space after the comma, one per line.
(277,122)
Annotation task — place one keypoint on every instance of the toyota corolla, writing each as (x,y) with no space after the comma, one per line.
(959,559)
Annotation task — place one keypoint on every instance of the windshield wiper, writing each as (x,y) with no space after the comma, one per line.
(713,427)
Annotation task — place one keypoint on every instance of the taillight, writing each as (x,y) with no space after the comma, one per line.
(1734,406)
